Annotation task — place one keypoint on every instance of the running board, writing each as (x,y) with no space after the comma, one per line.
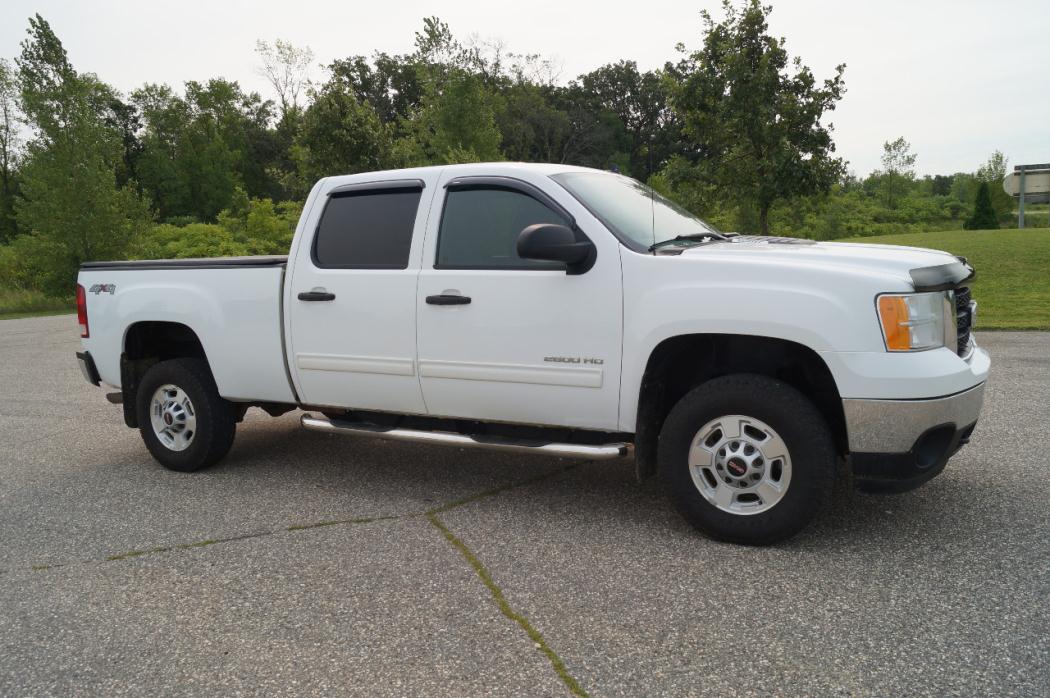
(338,426)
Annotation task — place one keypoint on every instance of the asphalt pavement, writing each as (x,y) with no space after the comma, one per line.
(310,563)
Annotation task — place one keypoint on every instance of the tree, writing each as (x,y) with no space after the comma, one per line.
(639,101)
(458,123)
(898,159)
(596,138)
(10,149)
(242,121)
(197,148)
(993,171)
(395,86)
(164,116)
(123,118)
(339,135)
(964,188)
(984,216)
(752,117)
(392,85)
(898,172)
(71,204)
(187,165)
(941,185)
(287,68)
(532,128)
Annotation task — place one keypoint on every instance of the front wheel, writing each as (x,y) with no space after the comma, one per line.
(747,459)
(184,422)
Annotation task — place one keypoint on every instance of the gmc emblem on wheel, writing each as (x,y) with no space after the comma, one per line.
(103,288)
(573,360)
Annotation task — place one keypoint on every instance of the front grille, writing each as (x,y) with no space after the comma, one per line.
(963,319)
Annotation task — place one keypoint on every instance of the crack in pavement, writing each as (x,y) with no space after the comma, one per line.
(461,501)
(431,515)
(505,608)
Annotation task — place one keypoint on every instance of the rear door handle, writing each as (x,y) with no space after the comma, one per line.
(320,295)
(448,299)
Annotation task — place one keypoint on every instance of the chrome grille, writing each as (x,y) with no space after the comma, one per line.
(963,319)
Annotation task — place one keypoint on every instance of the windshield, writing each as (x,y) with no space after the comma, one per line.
(632,211)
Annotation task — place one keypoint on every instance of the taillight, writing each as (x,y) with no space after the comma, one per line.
(82,312)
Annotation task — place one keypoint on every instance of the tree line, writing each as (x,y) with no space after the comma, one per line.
(735,129)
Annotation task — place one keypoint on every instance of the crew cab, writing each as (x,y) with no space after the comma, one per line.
(562,311)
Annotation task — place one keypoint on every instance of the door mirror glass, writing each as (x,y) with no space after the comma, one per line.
(556,243)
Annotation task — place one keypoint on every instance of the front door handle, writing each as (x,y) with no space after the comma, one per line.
(448,299)
(319,295)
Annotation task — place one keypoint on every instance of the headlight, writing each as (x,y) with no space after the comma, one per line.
(917,321)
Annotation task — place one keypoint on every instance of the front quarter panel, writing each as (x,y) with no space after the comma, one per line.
(667,296)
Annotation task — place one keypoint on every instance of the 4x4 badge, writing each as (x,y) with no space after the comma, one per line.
(103,288)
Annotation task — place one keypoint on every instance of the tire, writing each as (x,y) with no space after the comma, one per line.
(187,425)
(753,498)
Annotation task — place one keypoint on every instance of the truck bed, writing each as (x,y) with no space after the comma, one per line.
(232,304)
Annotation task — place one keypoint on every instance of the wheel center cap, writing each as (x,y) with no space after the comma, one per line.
(167,418)
(736,467)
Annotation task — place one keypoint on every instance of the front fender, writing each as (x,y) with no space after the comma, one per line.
(820,309)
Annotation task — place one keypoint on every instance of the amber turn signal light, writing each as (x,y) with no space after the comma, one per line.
(893,312)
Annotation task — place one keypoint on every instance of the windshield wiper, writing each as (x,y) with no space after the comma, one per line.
(697,237)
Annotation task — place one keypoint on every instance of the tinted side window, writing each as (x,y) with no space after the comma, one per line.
(480,227)
(367,230)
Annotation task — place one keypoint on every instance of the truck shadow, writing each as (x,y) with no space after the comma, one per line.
(589,493)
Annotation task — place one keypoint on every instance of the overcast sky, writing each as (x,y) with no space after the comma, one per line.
(957,78)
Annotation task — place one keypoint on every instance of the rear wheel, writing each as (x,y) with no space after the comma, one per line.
(747,459)
(184,422)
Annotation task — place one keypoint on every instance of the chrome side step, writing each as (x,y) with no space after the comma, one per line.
(338,426)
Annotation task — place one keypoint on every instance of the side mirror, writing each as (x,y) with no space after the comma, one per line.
(556,243)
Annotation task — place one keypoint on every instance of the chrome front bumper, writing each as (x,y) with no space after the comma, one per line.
(893,426)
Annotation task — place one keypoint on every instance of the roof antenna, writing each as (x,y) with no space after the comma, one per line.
(649,181)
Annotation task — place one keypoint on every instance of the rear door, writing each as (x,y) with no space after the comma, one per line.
(352,297)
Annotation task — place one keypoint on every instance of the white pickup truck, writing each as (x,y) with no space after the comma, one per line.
(562,311)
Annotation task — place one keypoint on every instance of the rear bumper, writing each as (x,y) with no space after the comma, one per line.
(87,367)
(896,445)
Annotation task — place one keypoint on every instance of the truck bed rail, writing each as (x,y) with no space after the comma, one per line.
(191,263)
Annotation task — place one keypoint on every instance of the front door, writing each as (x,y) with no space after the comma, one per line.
(352,299)
(507,339)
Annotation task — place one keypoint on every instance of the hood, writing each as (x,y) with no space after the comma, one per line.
(922,268)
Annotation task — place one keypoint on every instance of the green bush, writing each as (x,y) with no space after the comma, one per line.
(195,240)
(18,301)
(260,226)
(35,267)
(37,263)
(8,267)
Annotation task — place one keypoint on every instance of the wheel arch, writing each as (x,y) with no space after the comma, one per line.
(147,342)
(162,339)
(680,363)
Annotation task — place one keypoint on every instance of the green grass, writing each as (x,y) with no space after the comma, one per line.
(17,303)
(1012,287)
